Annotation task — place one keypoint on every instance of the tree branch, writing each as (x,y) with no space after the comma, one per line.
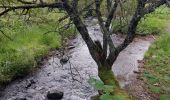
(140,12)
(10,8)
(80,12)
(81,27)
(6,35)
(153,6)
(111,14)
(106,33)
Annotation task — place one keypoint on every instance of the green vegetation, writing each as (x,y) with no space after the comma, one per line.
(29,43)
(157,59)
(154,23)
(157,66)
(108,88)
(109,92)
(99,85)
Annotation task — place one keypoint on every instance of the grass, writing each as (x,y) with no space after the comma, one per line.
(155,22)
(29,43)
(157,72)
(157,59)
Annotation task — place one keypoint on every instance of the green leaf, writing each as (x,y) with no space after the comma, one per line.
(108,88)
(155,89)
(118,97)
(97,84)
(165,97)
(151,77)
(106,97)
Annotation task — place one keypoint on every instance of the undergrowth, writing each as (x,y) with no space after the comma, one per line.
(28,43)
(154,23)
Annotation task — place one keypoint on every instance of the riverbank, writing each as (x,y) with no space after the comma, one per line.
(152,81)
(157,66)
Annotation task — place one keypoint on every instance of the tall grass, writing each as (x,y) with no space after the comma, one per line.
(19,56)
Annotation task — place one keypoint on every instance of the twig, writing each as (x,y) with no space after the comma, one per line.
(6,35)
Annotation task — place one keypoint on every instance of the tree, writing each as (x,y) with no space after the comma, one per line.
(97,50)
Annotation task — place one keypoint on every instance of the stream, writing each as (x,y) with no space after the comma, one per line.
(72,78)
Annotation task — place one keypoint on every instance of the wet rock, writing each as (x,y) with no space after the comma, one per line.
(64,59)
(137,72)
(55,95)
(96,29)
(29,83)
(71,47)
(48,74)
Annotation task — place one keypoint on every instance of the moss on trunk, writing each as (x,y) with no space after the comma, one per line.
(107,76)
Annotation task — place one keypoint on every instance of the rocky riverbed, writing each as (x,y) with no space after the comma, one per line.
(69,81)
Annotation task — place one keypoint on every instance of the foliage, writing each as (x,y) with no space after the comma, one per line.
(29,43)
(157,59)
(154,23)
(164,97)
(106,90)
(123,16)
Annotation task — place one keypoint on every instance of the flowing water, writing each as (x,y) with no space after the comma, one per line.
(72,77)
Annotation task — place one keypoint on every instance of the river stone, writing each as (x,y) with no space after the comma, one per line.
(55,95)
(71,47)
(64,60)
